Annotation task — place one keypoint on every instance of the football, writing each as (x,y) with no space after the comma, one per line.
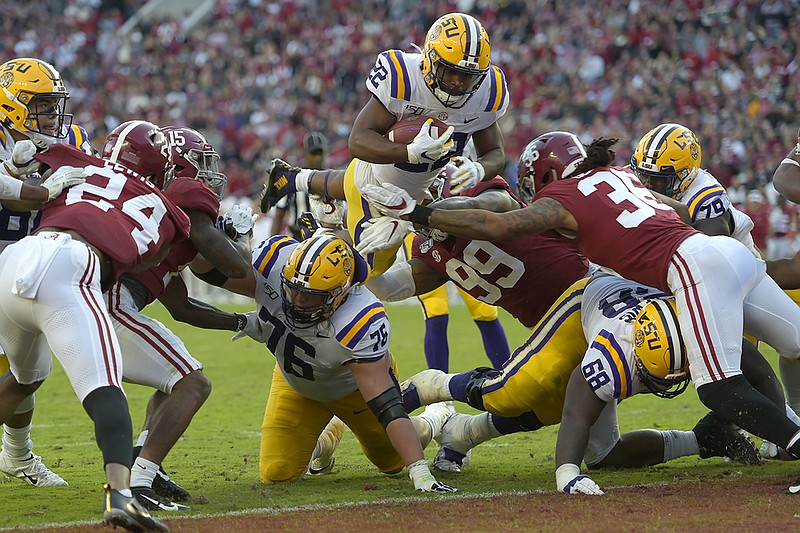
(405,129)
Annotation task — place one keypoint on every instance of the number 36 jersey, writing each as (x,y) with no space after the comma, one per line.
(314,361)
(608,311)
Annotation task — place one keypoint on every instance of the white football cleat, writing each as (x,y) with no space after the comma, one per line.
(32,470)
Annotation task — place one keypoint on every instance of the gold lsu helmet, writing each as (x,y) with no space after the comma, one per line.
(33,100)
(667,159)
(458,44)
(661,361)
(316,280)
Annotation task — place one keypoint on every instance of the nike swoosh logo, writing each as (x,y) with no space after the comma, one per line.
(142,467)
(401,205)
(360,411)
(33,480)
(468,120)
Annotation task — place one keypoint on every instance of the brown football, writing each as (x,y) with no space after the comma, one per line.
(405,129)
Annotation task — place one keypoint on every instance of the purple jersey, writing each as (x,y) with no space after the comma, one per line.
(524,276)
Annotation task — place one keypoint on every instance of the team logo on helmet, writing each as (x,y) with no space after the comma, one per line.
(6,79)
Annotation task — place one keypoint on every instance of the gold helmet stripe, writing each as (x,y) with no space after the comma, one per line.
(658,139)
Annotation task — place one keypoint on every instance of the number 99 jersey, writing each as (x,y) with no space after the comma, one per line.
(314,361)
(608,312)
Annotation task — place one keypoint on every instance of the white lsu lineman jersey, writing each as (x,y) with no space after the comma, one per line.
(14,225)
(609,309)
(396,81)
(314,361)
(706,198)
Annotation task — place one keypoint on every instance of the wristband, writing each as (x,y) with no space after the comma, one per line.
(788,161)
(241,321)
(421,215)
(324,183)
(566,473)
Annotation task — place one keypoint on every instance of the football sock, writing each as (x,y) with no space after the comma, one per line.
(494,341)
(17,441)
(143,473)
(679,444)
(790,377)
(480,428)
(458,386)
(302,180)
(437,353)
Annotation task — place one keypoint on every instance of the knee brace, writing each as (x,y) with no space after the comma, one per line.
(474,389)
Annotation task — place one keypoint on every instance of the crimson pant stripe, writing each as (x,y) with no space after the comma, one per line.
(102,327)
(698,319)
(147,333)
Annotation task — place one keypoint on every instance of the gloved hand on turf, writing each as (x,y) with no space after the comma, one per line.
(62,178)
(424,481)
(22,162)
(381,233)
(570,480)
(463,174)
(252,328)
(427,149)
(389,199)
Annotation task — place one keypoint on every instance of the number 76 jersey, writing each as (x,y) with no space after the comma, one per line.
(314,361)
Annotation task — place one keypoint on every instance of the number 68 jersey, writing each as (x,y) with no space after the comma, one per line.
(314,361)
(608,312)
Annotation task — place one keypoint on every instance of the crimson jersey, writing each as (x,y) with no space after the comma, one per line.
(115,210)
(620,224)
(186,193)
(524,276)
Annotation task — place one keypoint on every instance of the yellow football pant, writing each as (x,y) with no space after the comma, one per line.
(535,377)
(292,424)
(358,212)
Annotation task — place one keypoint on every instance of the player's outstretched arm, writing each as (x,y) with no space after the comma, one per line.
(581,409)
(383,398)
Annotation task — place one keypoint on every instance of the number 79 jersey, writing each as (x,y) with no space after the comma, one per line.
(608,312)
(314,361)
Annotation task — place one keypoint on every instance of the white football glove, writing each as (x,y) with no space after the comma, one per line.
(381,233)
(570,480)
(388,199)
(22,161)
(237,222)
(426,149)
(62,178)
(424,481)
(252,328)
(464,174)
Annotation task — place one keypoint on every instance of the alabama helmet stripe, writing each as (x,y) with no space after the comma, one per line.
(657,140)
(120,142)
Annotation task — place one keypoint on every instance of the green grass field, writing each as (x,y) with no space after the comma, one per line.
(217,459)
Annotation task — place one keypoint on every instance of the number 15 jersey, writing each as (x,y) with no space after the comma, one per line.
(314,361)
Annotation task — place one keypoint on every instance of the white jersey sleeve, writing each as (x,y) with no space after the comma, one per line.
(362,326)
(706,198)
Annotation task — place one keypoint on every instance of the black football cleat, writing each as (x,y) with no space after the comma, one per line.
(126,512)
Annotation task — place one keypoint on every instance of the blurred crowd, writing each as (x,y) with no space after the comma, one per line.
(256,75)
